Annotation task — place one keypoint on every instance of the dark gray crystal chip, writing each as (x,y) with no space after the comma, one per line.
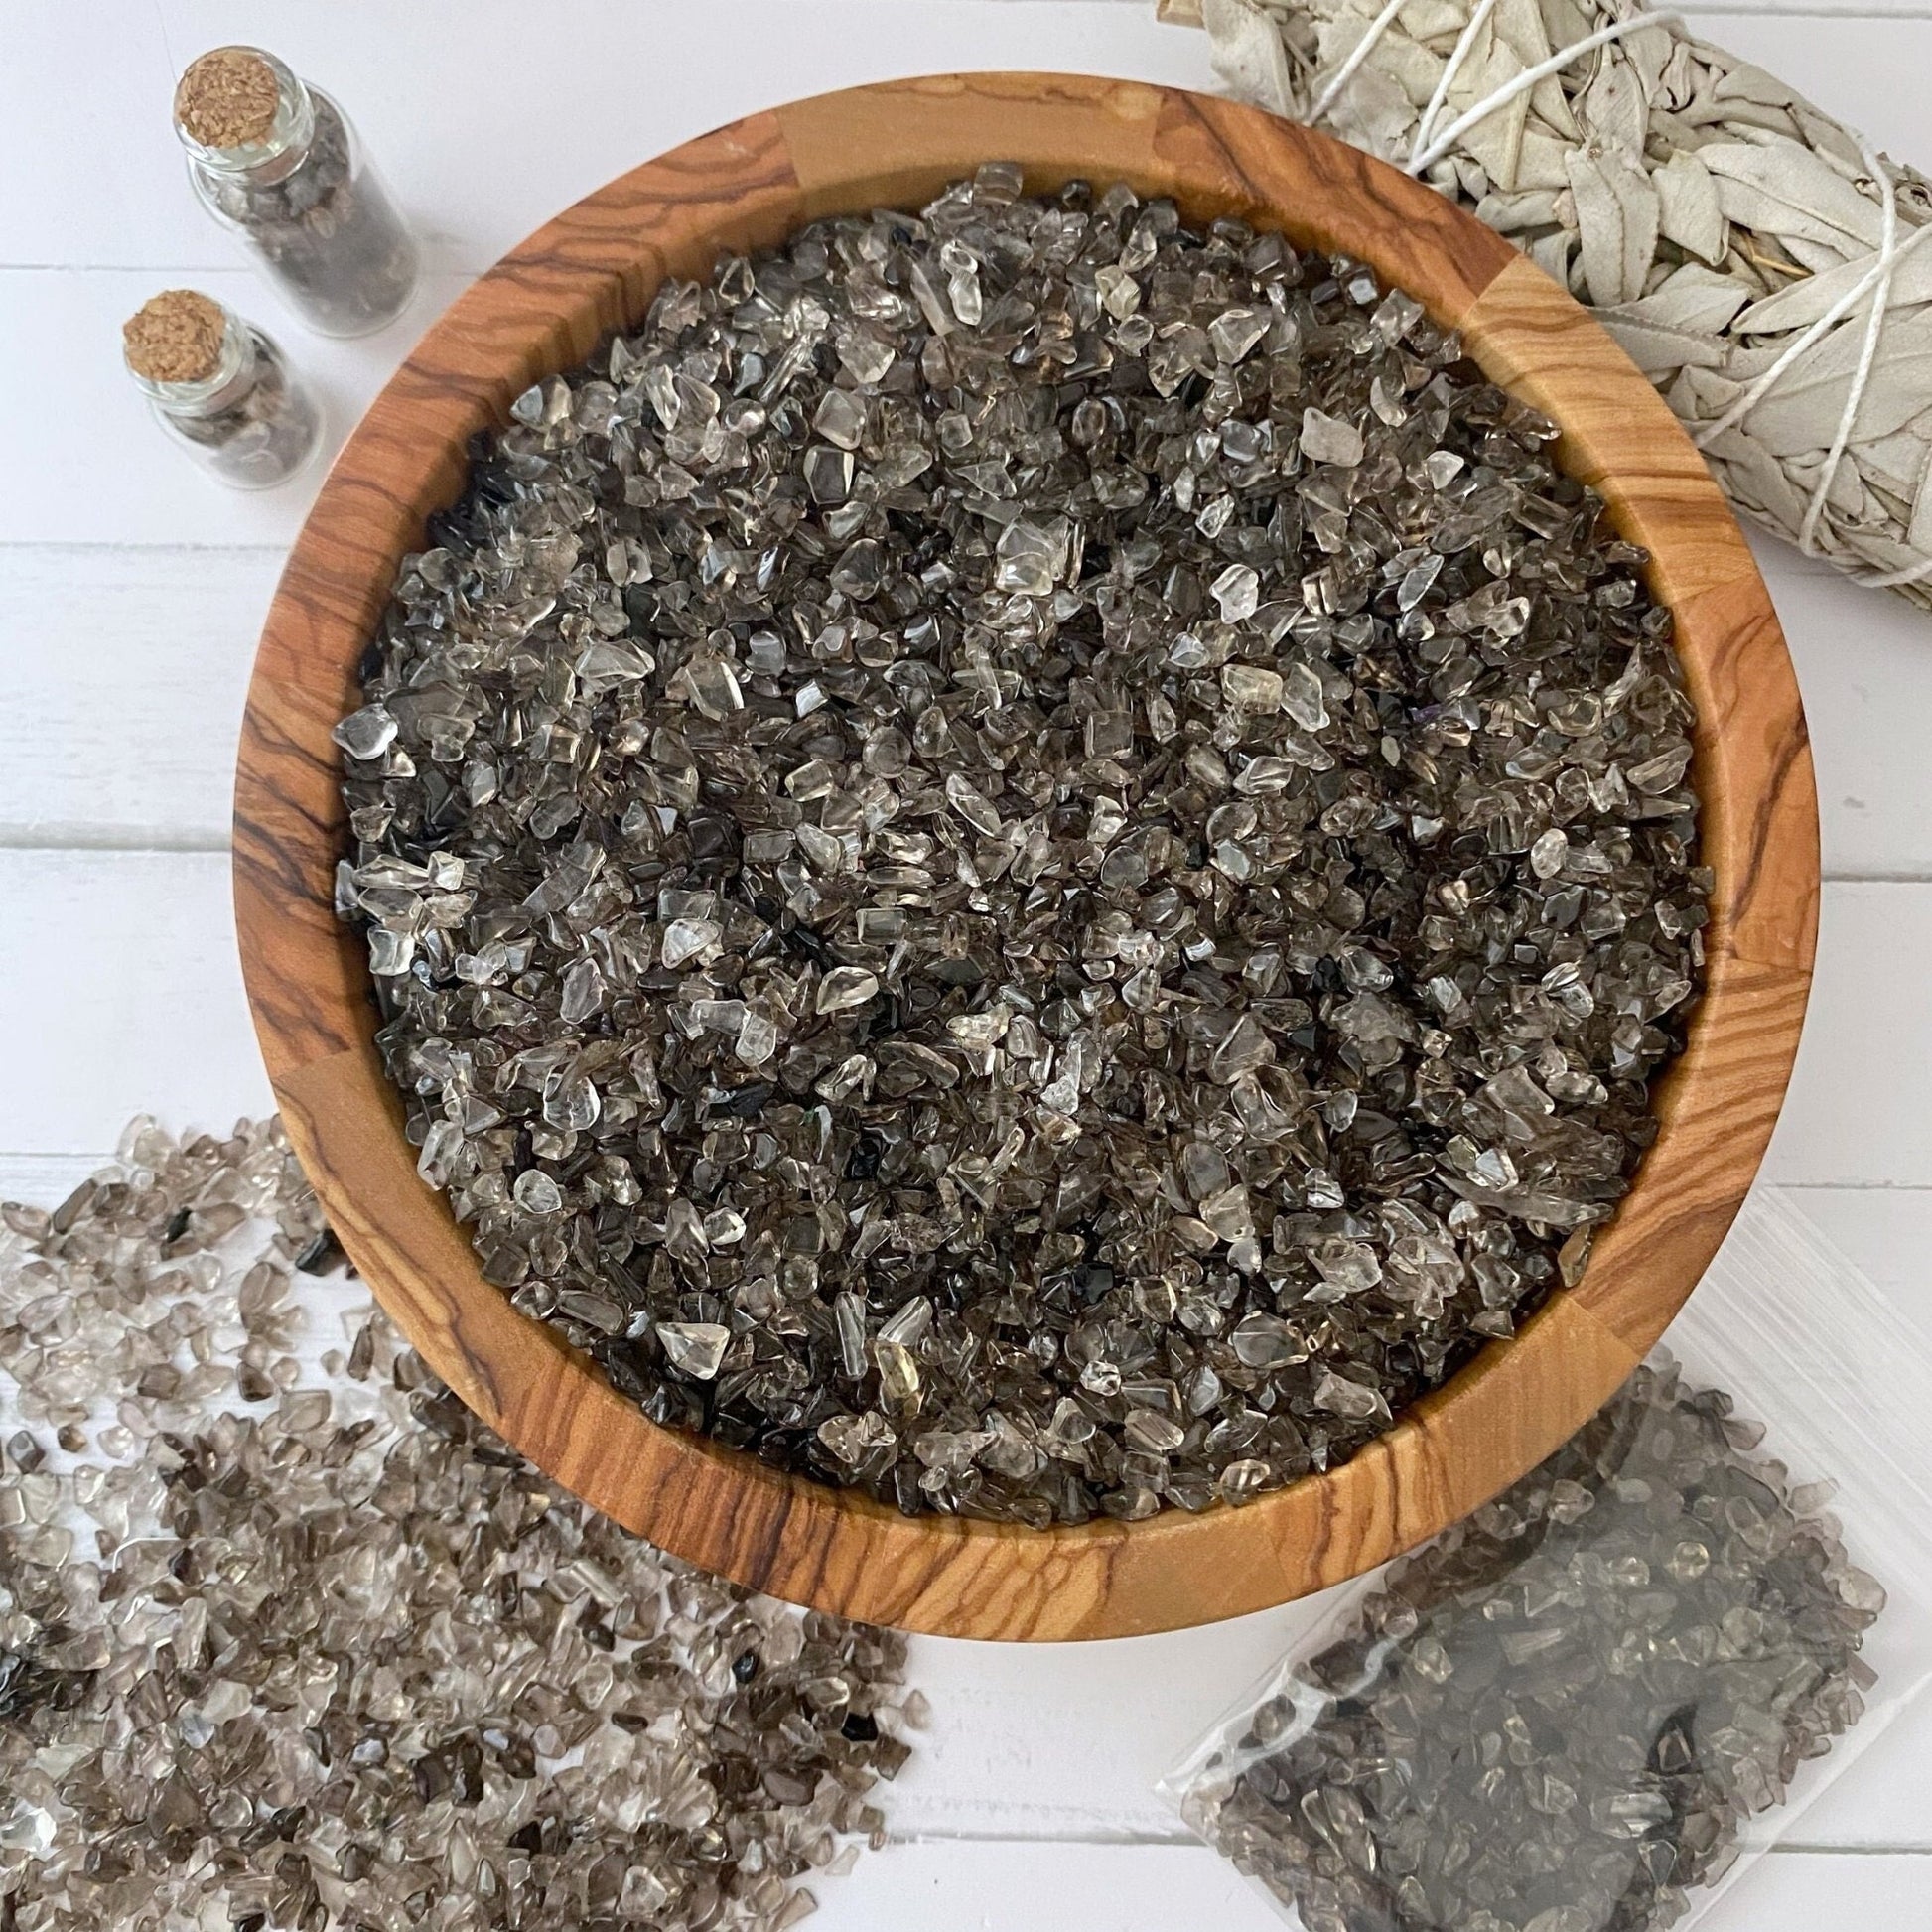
(1560,1715)
(1030,859)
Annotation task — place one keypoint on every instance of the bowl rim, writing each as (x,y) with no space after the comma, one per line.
(543,308)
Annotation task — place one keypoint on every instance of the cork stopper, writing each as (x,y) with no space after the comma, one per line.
(228,99)
(175,337)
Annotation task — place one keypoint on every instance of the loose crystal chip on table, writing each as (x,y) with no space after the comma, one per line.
(1076,778)
(298,1656)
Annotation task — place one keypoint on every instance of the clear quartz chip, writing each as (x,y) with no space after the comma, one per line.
(1228,1213)
(828,474)
(845,987)
(1235,331)
(1341,1397)
(972,805)
(866,355)
(1119,294)
(1238,591)
(1032,557)
(1156,1433)
(1252,687)
(850,1311)
(840,419)
(1302,698)
(1550,851)
(367,734)
(898,1373)
(686,940)
(1328,439)
(536,1192)
(694,1348)
(390,951)
(758,1037)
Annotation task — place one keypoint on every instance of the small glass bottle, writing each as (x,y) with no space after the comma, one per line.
(277,161)
(221,389)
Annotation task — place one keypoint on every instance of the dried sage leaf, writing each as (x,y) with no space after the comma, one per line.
(1645,158)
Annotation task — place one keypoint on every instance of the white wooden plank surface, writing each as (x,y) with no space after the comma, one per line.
(627,81)
(123,994)
(91,464)
(44,1179)
(128,669)
(93,227)
(622,81)
(1857,1113)
(1865,667)
(1002,1887)
(131,591)
(1862,60)
(1067,1741)
(132,952)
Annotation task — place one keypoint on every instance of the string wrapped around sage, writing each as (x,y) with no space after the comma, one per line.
(1758,260)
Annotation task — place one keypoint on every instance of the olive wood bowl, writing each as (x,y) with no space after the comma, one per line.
(543,308)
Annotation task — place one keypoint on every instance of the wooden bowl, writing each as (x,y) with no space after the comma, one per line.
(544,308)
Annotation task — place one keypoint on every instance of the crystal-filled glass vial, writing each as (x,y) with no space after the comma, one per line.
(221,389)
(278,161)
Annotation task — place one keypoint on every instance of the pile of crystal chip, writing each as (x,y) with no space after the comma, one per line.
(1027,859)
(1559,1715)
(277,1659)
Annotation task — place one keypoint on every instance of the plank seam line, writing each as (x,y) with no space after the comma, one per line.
(1851,1186)
(1838,876)
(124,268)
(108,839)
(1725,10)
(110,547)
(447,268)
(1182,1840)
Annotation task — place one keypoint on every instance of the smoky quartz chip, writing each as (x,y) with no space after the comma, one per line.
(1027,859)
(1559,1715)
(288,1652)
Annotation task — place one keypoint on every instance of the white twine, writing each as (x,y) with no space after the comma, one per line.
(1422,157)
(1877,278)
(1521,84)
(1363,48)
(1891,254)
(1890,580)
(1424,154)
(1451,68)
(1868,349)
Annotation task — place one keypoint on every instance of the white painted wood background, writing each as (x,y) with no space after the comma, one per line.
(131,590)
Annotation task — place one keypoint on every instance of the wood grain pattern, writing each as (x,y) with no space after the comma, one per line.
(543,308)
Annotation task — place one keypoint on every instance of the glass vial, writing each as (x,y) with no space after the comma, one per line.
(221,389)
(277,161)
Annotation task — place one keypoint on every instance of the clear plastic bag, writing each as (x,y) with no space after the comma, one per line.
(1593,1703)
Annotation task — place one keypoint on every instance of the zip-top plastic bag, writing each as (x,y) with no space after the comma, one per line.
(1592,1703)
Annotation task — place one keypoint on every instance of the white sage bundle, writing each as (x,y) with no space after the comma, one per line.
(1756,258)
